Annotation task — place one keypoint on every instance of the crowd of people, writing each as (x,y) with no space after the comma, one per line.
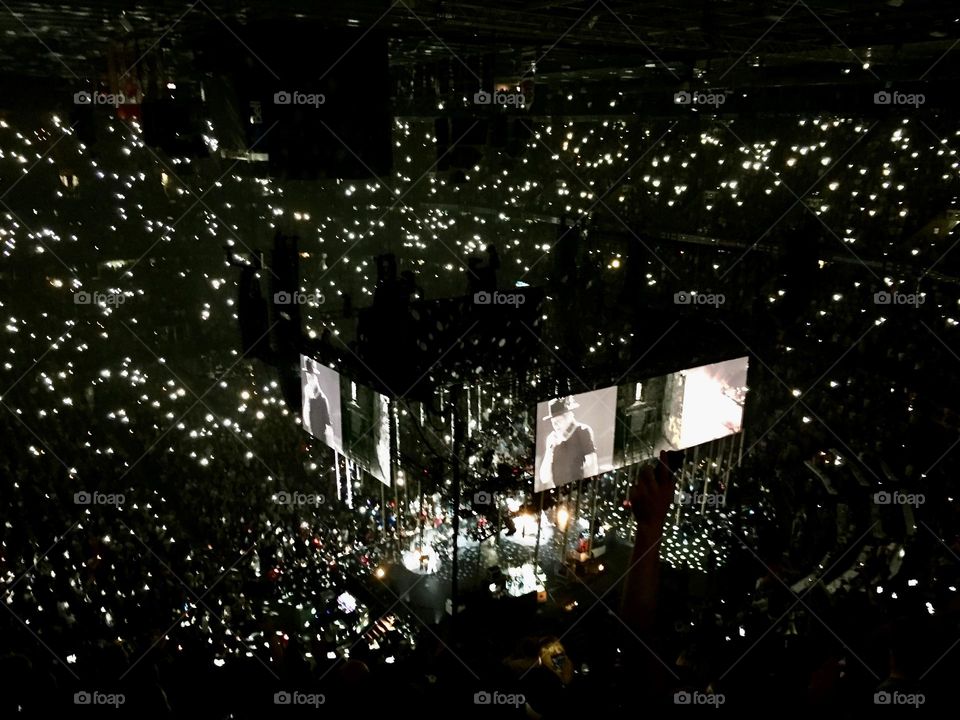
(144,550)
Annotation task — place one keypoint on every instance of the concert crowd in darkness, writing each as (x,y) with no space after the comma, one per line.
(400,406)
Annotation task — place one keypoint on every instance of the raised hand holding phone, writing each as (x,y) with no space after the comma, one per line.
(649,500)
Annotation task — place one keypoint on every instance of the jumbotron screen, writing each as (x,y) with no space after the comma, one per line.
(582,435)
(574,437)
(320,392)
(366,428)
(348,417)
(709,402)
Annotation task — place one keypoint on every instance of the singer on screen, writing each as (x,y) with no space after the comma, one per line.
(571,453)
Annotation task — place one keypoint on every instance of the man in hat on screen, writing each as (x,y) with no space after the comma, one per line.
(570,452)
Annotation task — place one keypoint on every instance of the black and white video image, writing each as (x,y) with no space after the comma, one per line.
(320,388)
(366,428)
(574,437)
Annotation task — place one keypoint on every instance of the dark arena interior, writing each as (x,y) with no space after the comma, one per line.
(537,359)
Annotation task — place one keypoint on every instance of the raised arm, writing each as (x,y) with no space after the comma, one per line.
(591,465)
(650,498)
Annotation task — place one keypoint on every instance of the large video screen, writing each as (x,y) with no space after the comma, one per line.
(320,391)
(712,402)
(350,418)
(574,437)
(366,428)
(680,410)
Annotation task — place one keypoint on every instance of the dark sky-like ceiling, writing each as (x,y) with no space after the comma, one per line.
(70,40)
